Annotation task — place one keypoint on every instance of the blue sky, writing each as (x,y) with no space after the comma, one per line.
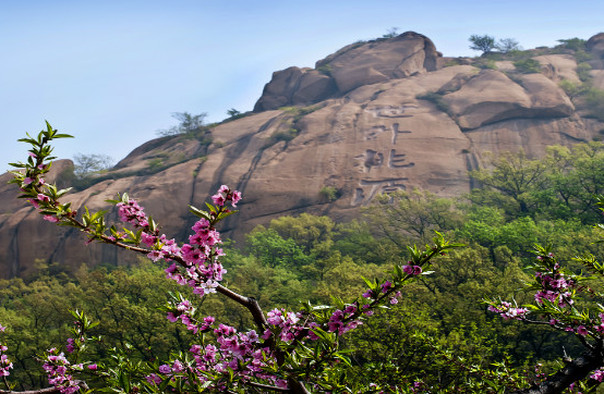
(111,72)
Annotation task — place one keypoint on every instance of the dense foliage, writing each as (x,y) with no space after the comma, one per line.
(436,335)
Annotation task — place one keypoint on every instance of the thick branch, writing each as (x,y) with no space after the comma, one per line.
(297,387)
(40,391)
(250,303)
(266,386)
(574,371)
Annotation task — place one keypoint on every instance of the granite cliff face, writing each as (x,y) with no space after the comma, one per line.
(374,117)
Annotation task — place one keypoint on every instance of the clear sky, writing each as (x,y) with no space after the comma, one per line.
(111,72)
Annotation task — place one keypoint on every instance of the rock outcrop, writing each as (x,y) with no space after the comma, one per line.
(355,65)
(388,116)
(491,96)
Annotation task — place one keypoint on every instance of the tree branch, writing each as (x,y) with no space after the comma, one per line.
(266,386)
(40,391)
(575,370)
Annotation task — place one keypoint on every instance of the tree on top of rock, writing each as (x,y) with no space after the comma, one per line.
(484,43)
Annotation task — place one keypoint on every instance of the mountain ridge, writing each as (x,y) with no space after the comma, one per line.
(390,114)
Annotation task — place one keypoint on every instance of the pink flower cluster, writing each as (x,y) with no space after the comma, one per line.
(42,201)
(598,375)
(5,363)
(412,270)
(58,369)
(285,324)
(184,312)
(237,352)
(225,195)
(508,312)
(555,288)
(131,212)
(70,345)
(386,287)
(340,320)
(290,326)
(202,270)
(600,327)
(582,329)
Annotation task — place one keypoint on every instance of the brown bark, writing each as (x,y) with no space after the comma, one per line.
(575,370)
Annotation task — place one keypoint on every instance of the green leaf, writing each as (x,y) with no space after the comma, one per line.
(225,214)
(63,136)
(370,284)
(199,212)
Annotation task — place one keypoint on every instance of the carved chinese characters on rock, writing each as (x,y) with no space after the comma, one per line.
(370,188)
(383,167)
(391,111)
(374,159)
(399,160)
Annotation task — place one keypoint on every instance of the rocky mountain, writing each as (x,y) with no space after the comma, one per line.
(374,117)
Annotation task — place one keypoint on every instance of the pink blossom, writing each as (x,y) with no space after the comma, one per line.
(219,200)
(171,317)
(281,383)
(368,294)
(164,369)
(598,375)
(51,218)
(235,198)
(70,345)
(148,239)
(506,311)
(413,270)
(57,368)
(178,366)
(154,255)
(386,286)
(153,379)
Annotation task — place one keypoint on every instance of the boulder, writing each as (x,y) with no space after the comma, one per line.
(595,45)
(491,96)
(398,57)
(559,67)
(353,66)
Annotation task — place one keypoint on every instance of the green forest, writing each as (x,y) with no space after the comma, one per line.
(438,336)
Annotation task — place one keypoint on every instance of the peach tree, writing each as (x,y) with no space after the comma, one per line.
(298,351)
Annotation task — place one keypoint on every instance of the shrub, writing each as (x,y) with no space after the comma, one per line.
(572,89)
(527,66)
(436,99)
(329,193)
(574,44)
(594,98)
(188,124)
(583,70)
